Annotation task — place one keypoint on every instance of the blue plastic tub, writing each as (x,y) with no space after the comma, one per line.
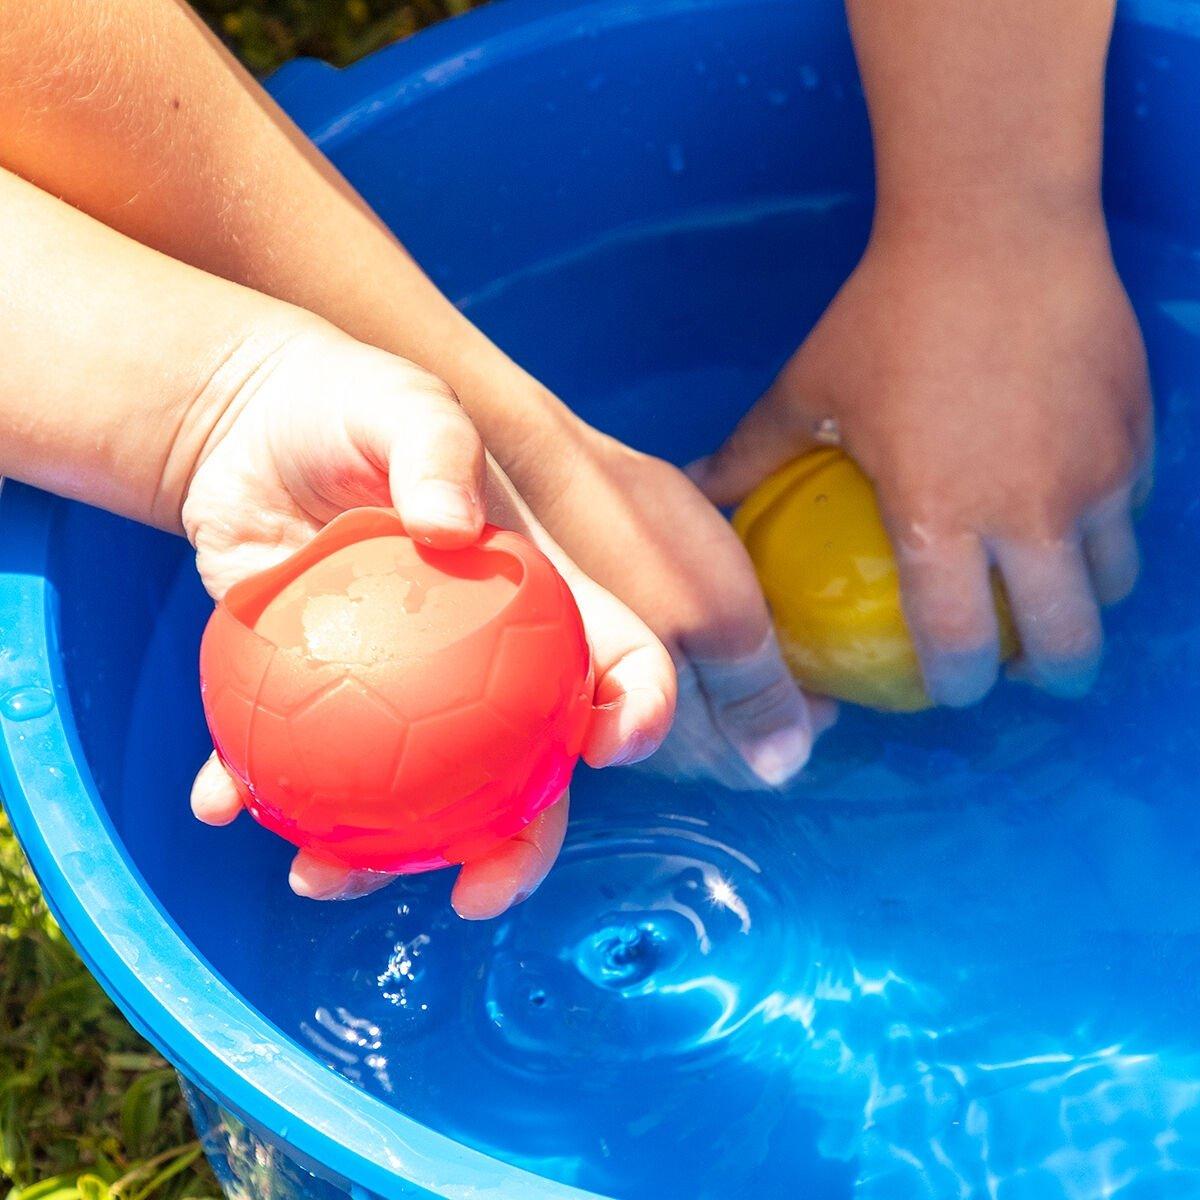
(959,960)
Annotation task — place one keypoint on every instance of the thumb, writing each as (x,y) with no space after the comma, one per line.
(434,457)
(770,435)
(635,679)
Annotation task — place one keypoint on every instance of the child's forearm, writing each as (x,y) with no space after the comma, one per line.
(116,363)
(981,109)
(135,114)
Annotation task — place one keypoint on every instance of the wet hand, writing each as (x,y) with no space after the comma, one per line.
(307,423)
(640,527)
(991,381)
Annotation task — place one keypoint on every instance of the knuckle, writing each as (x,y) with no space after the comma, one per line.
(438,396)
(1071,641)
(955,624)
(429,391)
(1063,629)
(446,421)
(721,624)
(1116,468)
(442,393)
(768,708)
(743,443)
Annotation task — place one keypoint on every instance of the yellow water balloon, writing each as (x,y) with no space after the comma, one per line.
(827,568)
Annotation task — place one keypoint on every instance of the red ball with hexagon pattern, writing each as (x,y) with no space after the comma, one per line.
(396,708)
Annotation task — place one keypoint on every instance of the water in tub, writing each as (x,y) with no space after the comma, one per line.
(958,958)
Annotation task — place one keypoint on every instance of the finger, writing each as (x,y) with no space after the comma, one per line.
(216,796)
(768,436)
(513,872)
(1111,549)
(1055,613)
(634,707)
(693,748)
(948,606)
(757,707)
(822,712)
(1143,479)
(1143,486)
(635,680)
(696,748)
(315,879)
(436,467)
(634,700)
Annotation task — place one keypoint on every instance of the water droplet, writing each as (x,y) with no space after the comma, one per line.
(810,78)
(675,158)
(777,97)
(403,970)
(742,79)
(1141,111)
(822,498)
(26,703)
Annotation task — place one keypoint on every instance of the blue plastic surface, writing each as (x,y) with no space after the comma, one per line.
(959,960)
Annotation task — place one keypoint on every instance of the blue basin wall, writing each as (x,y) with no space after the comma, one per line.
(494,145)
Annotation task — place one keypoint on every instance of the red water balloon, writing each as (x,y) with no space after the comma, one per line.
(393,707)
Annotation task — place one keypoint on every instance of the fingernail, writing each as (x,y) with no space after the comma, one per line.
(442,504)
(696,471)
(1065,681)
(780,755)
(823,713)
(635,749)
(317,881)
(1069,681)
(620,738)
(472,910)
(354,886)
(960,679)
(1018,671)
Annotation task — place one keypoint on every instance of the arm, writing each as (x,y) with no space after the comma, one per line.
(133,381)
(978,107)
(134,113)
(982,362)
(107,394)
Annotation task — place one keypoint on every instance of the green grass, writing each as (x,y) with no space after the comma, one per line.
(265,33)
(88,1111)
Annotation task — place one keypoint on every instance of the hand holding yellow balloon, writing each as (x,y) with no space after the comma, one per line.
(827,568)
